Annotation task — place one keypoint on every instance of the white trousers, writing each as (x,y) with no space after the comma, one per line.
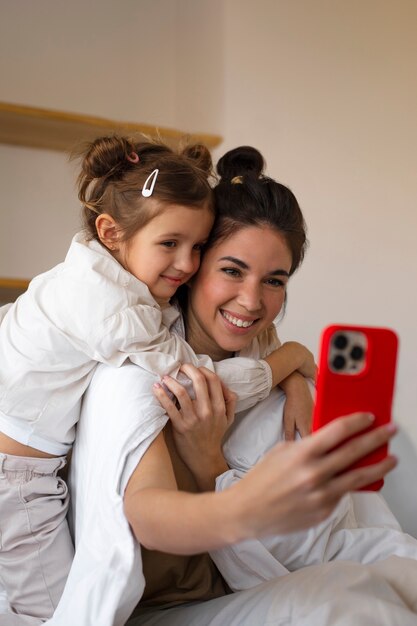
(36,550)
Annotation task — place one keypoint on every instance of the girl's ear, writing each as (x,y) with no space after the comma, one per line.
(107,231)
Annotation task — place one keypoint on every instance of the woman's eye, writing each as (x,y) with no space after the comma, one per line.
(168,244)
(231,271)
(275,282)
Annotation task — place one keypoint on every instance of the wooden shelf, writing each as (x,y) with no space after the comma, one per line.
(11,288)
(58,130)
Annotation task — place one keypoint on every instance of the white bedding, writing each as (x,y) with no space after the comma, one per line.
(106,579)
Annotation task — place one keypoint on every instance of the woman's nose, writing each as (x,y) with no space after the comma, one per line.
(250,297)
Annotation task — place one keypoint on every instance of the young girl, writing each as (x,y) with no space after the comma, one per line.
(148,212)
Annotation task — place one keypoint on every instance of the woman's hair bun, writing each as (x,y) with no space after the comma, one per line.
(200,154)
(241,161)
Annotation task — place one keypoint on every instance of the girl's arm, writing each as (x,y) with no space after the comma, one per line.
(298,408)
(291,357)
(295,486)
(252,379)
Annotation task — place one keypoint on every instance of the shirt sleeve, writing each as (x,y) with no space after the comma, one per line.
(138,333)
(250,379)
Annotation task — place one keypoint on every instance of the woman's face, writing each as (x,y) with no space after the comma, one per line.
(239,290)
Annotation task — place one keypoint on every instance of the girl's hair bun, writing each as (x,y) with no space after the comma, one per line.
(201,156)
(241,161)
(105,156)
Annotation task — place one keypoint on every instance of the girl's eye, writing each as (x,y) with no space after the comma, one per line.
(231,271)
(198,246)
(168,244)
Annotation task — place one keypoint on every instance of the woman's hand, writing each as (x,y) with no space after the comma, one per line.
(298,484)
(298,408)
(199,425)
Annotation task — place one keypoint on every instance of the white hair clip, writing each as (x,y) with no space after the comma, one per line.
(148,191)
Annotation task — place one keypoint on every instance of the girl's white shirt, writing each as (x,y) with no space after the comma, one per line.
(86,310)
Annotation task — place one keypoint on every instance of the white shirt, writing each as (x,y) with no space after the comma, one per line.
(86,310)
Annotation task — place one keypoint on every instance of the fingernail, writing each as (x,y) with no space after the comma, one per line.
(156,385)
(371,417)
(391,427)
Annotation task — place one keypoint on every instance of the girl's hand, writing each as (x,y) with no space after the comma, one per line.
(298,408)
(199,425)
(298,484)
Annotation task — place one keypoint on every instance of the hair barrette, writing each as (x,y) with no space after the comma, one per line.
(148,191)
(133,157)
(237,180)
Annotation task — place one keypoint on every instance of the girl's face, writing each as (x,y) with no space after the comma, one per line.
(166,252)
(239,290)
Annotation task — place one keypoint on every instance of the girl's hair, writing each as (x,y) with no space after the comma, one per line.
(244,197)
(114,170)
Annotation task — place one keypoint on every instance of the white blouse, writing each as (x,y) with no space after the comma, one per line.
(86,310)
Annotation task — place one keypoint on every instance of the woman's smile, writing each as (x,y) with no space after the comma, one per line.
(238,291)
(238,322)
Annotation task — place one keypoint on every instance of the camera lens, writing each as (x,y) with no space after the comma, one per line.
(339,362)
(356,353)
(340,342)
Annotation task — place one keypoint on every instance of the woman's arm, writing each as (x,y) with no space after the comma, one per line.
(295,486)
(199,425)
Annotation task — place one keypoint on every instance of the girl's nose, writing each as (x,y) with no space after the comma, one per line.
(186,262)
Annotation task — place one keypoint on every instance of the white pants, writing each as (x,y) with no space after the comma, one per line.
(36,550)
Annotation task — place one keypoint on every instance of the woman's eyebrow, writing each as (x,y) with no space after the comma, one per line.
(245,266)
(238,262)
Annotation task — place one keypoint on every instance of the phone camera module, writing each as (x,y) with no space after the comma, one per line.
(348,352)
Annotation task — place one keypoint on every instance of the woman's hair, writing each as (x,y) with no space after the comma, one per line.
(114,170)
(244,197)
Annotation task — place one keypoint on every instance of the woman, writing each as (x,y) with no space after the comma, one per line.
(228,282)
(134,471)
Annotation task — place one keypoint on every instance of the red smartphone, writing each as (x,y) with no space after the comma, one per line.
(356,372)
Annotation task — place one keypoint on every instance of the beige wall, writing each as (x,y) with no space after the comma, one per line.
(327,90)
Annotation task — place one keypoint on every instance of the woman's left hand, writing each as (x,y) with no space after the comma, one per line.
(199,425)
(298,408)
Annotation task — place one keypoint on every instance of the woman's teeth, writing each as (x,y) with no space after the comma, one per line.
(236,321)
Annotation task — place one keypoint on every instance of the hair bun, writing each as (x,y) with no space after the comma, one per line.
(241,161)
(105,156)
(201,156)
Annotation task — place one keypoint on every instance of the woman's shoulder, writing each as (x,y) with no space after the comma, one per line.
(128,379)
(263,344)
